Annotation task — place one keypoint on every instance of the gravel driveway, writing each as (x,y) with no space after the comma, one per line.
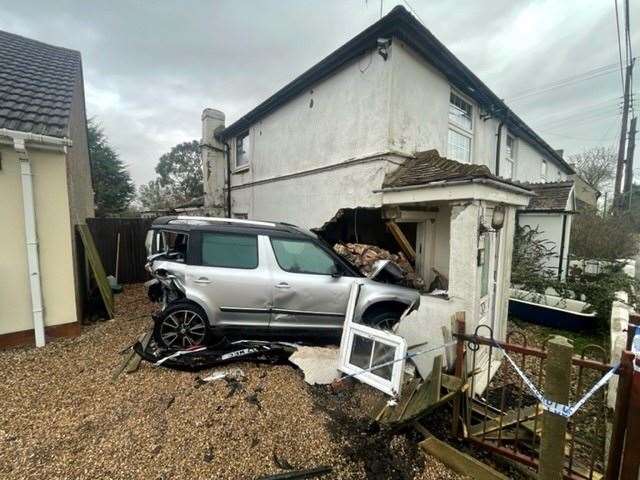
(62,418)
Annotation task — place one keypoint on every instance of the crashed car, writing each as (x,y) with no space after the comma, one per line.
(218,277)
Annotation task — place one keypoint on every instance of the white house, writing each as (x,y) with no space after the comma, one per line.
(359,129)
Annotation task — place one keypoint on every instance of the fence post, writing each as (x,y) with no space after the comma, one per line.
(630,456)
(620,417)
(557,386)
(459,369)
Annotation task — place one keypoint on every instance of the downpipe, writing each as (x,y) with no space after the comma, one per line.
(30,228)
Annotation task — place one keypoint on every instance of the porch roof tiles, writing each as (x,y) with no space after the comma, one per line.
(550,195)
(429,167)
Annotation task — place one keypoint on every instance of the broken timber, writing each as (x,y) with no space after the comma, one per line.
(404,244)
(458,461)
(421,397)
(131,361)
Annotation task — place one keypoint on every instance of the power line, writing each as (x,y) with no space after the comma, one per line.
(563,82)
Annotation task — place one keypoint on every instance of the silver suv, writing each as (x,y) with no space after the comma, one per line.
(218,276)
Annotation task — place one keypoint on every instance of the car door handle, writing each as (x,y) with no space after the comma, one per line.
(283,285)
(202,281)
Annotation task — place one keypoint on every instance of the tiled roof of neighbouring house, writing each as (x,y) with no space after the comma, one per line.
(36,85)
(428,167)
(550,195)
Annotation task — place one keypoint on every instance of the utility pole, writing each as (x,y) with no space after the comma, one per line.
(617,191)
(628,173)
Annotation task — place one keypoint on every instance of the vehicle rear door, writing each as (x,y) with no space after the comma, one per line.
(307,293)
(232,277)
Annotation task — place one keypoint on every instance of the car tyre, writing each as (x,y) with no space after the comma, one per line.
(181,325)
(385,320)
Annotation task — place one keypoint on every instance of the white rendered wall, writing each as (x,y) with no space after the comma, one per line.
(343,117)
(369,108)
(419,119)
(550,228)
(309,201)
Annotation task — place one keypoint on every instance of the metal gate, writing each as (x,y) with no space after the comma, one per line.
(502,414)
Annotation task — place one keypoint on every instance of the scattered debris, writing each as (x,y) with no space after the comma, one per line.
(319,364)
(281,462)
(225,351)
(235,375)
(300,474)
(364,257)
(458,461)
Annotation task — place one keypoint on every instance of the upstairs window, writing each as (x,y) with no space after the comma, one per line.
(460,132)
(543,170)
(460,112)
(243,150)
(510,158)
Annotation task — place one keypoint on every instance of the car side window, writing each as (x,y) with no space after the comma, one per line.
(229,250)
(300,256)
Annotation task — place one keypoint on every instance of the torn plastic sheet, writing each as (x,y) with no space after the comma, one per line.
(222,353)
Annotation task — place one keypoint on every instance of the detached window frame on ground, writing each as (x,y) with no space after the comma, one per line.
(351,330)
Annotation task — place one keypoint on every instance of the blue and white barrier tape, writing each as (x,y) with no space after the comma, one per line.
(555,407)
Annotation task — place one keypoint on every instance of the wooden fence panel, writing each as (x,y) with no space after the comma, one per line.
(133,254)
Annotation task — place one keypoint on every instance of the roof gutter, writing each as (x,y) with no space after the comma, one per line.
(447,183)
(31,233)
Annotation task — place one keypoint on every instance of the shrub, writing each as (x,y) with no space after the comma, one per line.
(608,237)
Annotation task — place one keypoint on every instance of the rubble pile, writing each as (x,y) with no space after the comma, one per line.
(363,257)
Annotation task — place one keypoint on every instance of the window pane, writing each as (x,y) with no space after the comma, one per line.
(361,352)
(459,112)
(242,150)
(383,353)
(459,147)
(300,256)
(511,147)
(508,169)
(230,251)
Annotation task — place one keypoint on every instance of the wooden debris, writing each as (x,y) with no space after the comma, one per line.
(421,397)
(134,363)
(509,418)
(300,474)
(131,359)
(458,461)
(404,244)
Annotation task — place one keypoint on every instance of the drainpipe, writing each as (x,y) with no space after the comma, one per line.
(498,145)
(562,240)
(227,154)
(31,233)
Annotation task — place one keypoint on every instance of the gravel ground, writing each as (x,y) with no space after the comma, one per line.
(62,418)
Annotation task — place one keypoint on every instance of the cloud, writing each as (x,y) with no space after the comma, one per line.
(151,67)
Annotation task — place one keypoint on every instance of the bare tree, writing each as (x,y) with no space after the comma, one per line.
(596,165)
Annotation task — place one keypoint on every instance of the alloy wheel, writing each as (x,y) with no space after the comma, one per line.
(182,329)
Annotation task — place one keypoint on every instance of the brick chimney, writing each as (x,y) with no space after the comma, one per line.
(213,163)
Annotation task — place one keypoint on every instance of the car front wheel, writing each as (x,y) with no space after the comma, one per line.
(182,325)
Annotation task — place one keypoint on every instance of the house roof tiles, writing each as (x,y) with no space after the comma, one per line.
(37,84)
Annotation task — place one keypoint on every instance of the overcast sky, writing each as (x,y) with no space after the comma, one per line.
(151,67)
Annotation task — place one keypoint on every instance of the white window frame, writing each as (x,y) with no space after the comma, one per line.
(352,329)
(544,170)
(459,129)
(511,159)
(241,168)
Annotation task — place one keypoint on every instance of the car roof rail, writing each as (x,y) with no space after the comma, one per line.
(207,220)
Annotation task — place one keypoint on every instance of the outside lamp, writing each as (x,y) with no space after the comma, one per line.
(497,219)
